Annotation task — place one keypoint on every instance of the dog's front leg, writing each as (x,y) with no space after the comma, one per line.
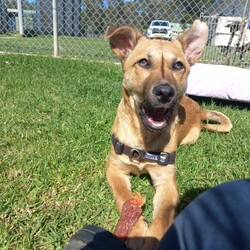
(119,181)
(165,202)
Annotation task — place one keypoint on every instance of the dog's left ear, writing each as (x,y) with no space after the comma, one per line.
(122,39)
(194,41)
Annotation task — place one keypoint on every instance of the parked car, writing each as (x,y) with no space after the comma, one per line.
(160,29)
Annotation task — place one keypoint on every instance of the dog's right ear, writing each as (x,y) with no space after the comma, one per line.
(122,39)
(194,41)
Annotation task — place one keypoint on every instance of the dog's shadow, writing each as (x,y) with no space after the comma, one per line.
(188,197)
(184,199)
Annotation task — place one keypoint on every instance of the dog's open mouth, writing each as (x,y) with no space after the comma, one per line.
(154,119)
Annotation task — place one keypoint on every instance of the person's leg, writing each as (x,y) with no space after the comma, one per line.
(218,219)
(93,237)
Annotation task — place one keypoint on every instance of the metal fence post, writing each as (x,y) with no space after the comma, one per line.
(55,29)
(20,17)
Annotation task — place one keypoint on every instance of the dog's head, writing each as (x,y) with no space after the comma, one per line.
(156,71)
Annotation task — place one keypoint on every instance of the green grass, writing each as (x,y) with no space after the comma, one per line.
(79,47)
(55,122)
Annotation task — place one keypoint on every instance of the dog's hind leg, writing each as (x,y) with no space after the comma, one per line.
(191,137)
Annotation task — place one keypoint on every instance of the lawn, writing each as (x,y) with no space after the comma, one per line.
(55,122)
(79,47)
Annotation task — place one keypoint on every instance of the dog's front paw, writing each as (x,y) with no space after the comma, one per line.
(135,239)
(150,243)
(151,239)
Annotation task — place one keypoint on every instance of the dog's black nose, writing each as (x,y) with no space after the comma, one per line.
(164,92)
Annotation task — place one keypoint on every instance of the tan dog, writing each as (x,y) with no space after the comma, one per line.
(153,119)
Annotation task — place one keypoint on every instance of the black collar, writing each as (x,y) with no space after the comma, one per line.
(161,158)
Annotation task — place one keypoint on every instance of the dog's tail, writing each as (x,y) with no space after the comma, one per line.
(216,121)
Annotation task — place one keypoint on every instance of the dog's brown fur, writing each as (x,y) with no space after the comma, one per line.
(146,65)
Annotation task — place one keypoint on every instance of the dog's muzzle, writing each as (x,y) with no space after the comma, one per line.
(155,114)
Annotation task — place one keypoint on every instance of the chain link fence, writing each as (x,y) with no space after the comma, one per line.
(75,28)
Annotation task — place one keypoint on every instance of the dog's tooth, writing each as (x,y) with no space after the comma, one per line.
(157,124)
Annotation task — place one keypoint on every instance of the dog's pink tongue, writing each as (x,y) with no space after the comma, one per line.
(157,118)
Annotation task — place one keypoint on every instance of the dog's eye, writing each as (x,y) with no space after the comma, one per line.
(178,66)
(144,63)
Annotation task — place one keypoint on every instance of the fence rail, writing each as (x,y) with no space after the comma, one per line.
(75,28)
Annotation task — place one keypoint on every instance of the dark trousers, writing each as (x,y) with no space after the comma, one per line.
(218,219)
